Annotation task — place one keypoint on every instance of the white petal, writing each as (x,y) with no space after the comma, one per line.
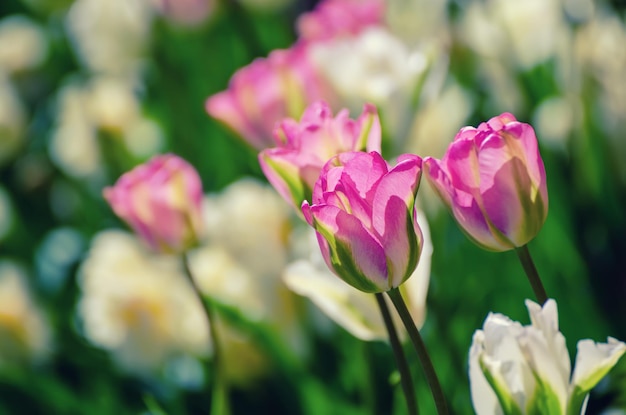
(545,349)
(502,336)
(484,399)
(355,311)
(594,361)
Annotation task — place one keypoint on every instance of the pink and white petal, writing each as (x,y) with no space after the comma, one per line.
(461,165)
(355,255)
(370,132)
(363,171)
(283,175)
(526,143)
(392,211)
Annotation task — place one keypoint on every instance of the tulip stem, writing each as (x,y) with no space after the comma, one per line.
(420,348)
(398,352)
(219,400)
(531,272)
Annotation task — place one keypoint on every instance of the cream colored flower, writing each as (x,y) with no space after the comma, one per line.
(373,66)
(251,222)
(517,369)
(24,332)
(139,305)
(110,36)
(102,104)
(22,44)
(244,254)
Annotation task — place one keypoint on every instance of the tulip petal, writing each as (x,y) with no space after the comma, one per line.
(594,361)
(362,171)
(545,350)
(464,207)
(352,309)
(392,218)
(370,130)
(353,253)
(284,175)
(484,400)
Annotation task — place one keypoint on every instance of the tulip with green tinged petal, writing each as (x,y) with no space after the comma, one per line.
(363,212)
(303,148)
(355,311)
(161,200)
(493,180)
(519,370)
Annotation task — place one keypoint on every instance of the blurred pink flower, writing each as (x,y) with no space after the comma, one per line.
(161,201)
(364,216)
(266,91)
(186,12)
(333,18)
(493,180)
(304,147)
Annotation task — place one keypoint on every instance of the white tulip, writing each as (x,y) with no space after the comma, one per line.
(517,369)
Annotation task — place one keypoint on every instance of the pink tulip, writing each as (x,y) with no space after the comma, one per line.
(333,18)
(161,201)
(303,148)
(266,91)
(493,180)
(363,213)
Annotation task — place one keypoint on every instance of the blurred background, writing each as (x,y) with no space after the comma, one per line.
(91,322)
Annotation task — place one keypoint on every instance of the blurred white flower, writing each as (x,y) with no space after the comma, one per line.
(247,226)
(418,22)
(104,103)
(74,145)
(554,120)
(438,121)
(251,222)
(356,311)
(12,120)
(22,44)
(517,369)
(373,66)
(24,333)
(110,36)
(111,103)
(525,32)
(139,305)
(600,51)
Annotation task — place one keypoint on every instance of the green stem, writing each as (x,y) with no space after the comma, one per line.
(219,401)
(403,366)
(531,272)
(420,348)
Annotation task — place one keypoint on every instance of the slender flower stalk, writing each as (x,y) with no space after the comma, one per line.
(405,374)
(420,348)
(531,272)
(219,401)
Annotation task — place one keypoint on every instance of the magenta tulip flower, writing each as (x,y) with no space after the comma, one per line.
(161,201)
(304,147)
(266,91)
(364,216)
(332,18)
(493,180)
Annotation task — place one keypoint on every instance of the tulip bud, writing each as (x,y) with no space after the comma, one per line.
(303,148)
(161,201)
(364,216)
(264,92)
(493,180)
